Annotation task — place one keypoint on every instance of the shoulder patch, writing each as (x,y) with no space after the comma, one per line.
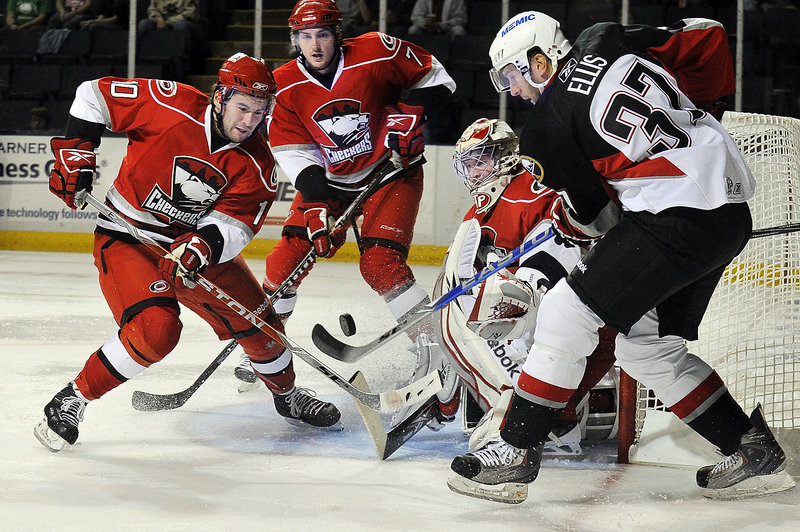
(533,167)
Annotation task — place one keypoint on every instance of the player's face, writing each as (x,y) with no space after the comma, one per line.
(519,86)
(241,116)
(318,46)
(482,167)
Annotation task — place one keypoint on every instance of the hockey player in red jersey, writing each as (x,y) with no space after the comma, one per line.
(486,334)
(344,107)
(622,129)
(197,177)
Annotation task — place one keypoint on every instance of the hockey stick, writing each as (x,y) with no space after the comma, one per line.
(386,443)
(776,230)
(384,401)
(343,352)
(146,401)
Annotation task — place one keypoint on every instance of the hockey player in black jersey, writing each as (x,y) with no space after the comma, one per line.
(623,127)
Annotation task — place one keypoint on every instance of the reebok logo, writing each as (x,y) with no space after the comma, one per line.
(77,156)
(400,121)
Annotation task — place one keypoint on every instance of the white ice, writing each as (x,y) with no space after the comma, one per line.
(227,461)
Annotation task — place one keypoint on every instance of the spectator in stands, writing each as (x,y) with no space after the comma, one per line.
(439,16)
(69,14)
(27,14)
(169,14)
(398,16)
(107,14)
(40,121)
(179,15)
(358,16)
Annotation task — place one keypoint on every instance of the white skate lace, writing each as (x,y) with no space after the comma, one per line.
(726,464)
(302,400)
(72,409)
(495,453)
(244,363)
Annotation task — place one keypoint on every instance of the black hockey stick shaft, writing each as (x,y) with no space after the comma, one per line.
(343,352)
(776,230)
(146,401)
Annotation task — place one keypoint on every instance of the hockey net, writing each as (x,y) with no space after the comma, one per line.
(751,331)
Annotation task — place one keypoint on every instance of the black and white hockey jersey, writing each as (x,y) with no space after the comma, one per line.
(620,120)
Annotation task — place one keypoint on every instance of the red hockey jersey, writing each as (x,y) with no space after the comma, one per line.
(520,212)
(343,128)
(169,181)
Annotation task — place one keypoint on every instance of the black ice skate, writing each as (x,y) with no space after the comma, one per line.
(299,407)
(61,417)
(758,467)
(497,472)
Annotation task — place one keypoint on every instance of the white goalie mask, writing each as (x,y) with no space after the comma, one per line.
(525,31)
(487,159)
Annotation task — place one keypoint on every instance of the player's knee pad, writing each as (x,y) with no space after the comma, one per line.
(385,269)
(151,334)
(663,364)
(565,326)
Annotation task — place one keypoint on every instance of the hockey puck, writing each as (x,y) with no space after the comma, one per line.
(348,324)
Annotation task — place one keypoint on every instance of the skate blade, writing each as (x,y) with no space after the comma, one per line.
(52,441)
(509,493)
(551,448)
(336,427)
(245,387)
(752,487)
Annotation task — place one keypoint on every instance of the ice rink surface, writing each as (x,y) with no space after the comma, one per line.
(227,461)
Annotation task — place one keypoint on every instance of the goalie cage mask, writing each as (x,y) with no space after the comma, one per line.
(487,159)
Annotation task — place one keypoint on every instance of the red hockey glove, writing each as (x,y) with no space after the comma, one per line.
(318,225)
(188,256)
(73,170)
(404,135)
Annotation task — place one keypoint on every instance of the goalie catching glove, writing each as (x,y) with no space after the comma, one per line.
(505,307)
(73,170)
(190,255)
(404,135)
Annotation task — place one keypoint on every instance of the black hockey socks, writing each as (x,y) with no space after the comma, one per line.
(723,424)
(527,424)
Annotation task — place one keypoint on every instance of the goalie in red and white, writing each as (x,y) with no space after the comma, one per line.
(486,334)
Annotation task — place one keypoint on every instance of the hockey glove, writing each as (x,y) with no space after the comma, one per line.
(73,170)
(505,308)
(318,225)
(571,231)
(404,135)
(189,255)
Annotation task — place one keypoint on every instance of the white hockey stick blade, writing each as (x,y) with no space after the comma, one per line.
(387,443)
(371,418)
(509,493)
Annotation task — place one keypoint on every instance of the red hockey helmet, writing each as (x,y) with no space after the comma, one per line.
(316,14)
(248,75)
